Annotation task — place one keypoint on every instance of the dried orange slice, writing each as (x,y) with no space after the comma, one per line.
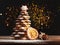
(32,33)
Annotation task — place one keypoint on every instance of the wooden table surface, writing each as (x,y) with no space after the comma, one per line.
(53,39)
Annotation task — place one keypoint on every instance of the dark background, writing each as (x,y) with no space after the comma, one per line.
(53,5)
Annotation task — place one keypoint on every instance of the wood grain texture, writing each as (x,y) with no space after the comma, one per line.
(53,40)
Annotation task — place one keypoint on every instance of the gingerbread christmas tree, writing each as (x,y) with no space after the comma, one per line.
(23,29)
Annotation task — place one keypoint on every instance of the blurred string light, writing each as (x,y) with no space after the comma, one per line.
(0,13)
(38,16)
(10,13)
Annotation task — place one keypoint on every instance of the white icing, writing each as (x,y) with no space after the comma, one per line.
(24,7)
